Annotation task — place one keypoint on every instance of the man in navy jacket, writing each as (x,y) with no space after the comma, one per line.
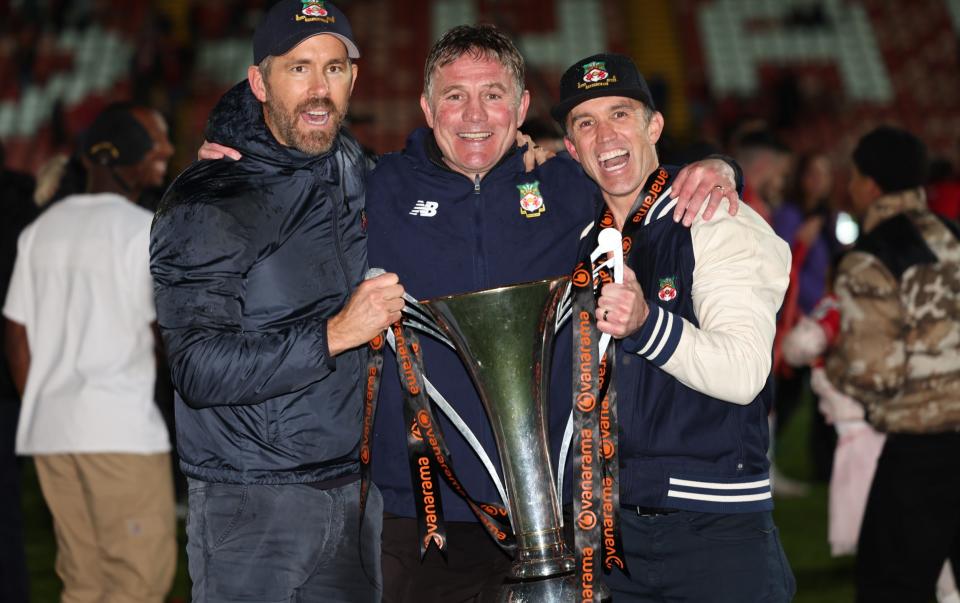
(695,317)
(258,267)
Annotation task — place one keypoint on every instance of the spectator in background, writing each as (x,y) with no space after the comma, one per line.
(858,446)
(766,165)
(81,348)
(808,202)
(899,354)
(16,211)
(806,221)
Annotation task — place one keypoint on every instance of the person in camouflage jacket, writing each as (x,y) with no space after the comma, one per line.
(899,353)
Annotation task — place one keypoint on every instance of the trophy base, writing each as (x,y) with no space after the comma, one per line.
(541,555)
(558,589)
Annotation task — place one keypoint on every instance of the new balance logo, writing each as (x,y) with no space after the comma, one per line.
(427,209)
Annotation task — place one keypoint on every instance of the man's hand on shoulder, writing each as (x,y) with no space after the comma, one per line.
(708,181)
(535,155)
(212,150)
(374,305)
(622,309)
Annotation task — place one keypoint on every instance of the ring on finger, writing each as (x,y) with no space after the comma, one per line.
(605,312)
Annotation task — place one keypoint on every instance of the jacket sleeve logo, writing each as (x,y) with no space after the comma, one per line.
(668,289)
(531,203)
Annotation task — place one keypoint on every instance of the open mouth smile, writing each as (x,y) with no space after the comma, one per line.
(613,160)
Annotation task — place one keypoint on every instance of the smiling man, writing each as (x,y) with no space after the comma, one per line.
(695,319)
(258,268)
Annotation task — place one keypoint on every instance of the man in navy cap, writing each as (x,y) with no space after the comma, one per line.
(258,268)
(695,320)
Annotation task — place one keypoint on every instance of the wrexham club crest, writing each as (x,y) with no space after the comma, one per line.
(595,72)
(668,289)
(312,8)
(531,203)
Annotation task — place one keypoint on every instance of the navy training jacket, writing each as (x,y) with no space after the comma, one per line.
(445,234)
(249,259)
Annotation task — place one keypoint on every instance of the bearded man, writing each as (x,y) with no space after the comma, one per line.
(258,270)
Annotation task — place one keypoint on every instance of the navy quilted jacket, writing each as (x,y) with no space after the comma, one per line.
(249,259)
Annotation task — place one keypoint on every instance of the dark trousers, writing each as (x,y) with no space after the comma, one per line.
(474,569)
(715,557)
(13,562)
(288,543)
(912,521)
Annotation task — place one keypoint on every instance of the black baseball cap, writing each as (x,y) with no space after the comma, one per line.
(290,22)
(116,137)
(605,74)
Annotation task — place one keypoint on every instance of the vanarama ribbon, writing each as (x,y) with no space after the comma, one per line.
(430,458)
(596,504)
(370,394)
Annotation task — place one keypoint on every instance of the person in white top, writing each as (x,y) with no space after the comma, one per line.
(80,339)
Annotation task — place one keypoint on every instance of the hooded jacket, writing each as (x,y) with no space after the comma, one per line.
(249,259)
(445,234)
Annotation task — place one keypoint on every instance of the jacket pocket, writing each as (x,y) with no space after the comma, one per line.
(223,510)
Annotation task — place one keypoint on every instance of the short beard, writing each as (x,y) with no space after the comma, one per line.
(314,142)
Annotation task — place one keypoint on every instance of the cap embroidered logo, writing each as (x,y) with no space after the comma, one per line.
(311,8)
(595,72)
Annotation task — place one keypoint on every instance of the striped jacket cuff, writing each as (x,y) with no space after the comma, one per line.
(658,338)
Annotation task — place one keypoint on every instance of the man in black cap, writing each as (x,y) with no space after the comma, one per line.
(81,349)
(899,355)
(694,322)
(259,267)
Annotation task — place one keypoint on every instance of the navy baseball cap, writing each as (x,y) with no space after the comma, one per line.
(290,22)
(605,74)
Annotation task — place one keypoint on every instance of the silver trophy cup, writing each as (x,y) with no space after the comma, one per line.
(504,336)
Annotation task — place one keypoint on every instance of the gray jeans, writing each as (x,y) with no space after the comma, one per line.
(283,543)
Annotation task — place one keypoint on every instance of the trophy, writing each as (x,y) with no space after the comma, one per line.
(504,337)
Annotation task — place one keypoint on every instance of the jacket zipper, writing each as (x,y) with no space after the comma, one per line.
(479,266)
